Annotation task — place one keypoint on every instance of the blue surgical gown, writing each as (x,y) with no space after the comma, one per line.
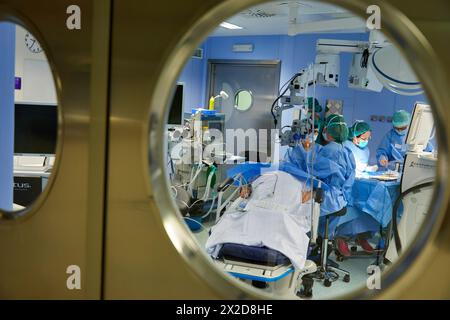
(335,166)
(301,158)
(392,147)
(362,156)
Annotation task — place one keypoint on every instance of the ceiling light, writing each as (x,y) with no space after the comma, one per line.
(230,26)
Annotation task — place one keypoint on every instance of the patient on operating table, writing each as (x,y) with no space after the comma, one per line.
(273,211)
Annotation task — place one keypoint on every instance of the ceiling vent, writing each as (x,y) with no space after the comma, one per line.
(258,13)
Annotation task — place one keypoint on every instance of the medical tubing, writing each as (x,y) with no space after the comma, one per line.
(290,80)
(279,97)
(193,220)
(200,167)
(273,107)
(210,208)
(397,240)
(312,150)
(208,184)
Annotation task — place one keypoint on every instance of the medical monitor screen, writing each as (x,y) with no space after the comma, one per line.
(176,109)
(422,125)
(35,130)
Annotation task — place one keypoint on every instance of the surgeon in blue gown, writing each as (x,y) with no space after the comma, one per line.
(304,154)
(362,224)
(392,147)
(335,165)
(359,136)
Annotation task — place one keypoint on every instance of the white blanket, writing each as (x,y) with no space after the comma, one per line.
(274,217)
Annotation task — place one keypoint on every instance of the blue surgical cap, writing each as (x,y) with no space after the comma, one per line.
(401,119)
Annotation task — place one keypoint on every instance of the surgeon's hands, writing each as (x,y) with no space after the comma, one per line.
(384,162)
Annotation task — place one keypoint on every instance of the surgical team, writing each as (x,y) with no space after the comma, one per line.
(340,154)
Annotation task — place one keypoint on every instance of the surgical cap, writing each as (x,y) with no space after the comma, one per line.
(401,119)
(358,128)
(337,128)
(334,117)
(317,106)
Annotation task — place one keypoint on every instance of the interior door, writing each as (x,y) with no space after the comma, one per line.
(261,79)
(62,235)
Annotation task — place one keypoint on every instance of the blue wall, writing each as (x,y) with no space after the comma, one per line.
(7,66)
(295,54)
(194,79)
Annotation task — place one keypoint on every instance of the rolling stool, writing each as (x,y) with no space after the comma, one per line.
(328,270)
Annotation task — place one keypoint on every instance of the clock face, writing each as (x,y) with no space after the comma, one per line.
(32,44)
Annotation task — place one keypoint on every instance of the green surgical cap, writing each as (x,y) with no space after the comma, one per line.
(334,118)
(401,119)
(358,128)
(337,128)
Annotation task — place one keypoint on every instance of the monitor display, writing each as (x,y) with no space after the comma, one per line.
(36,128)
(421,128)
(176,108)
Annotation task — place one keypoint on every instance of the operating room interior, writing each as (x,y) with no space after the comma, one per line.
(301,218)
(250,149)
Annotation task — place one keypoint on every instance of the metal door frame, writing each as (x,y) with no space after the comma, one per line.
(65,226)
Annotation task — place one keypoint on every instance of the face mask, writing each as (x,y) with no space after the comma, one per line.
(363,143)
(402,133)
(324,135)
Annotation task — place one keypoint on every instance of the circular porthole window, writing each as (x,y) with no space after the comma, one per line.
(243,100)
(28,120)
(341,194)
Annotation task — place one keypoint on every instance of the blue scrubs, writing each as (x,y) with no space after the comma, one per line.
(302,158)
(335,166)
(362,156)
(392,147)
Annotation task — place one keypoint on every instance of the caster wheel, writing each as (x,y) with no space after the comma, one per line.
(305,294)
(327,283)
(354,248)
(346,278)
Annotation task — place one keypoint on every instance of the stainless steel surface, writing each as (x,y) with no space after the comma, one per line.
(64,227)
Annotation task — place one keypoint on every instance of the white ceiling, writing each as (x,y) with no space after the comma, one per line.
(273,18)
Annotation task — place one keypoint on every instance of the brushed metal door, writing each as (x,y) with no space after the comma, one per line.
(262,79)
(65,227)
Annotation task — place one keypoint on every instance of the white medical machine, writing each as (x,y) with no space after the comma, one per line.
(416,188)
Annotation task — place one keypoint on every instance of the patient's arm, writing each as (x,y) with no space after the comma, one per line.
(306,196)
